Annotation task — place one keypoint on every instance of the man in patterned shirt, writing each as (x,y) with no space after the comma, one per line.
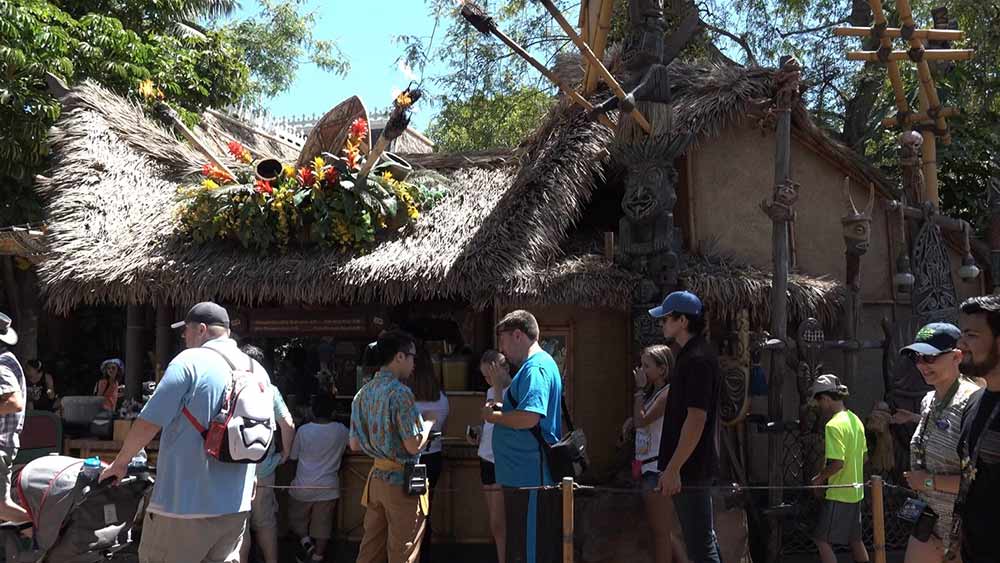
(12,399)
(386,426)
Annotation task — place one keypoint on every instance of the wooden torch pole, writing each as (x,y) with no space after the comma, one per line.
(567,504)
(878,519)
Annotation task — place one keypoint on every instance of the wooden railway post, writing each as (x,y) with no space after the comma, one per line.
(567,527)
(878,519)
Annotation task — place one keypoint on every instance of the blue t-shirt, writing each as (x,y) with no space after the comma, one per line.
(189,483)
(536,388)
(273,459)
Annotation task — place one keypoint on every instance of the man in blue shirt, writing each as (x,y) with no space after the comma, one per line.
(532,400)
(199,507)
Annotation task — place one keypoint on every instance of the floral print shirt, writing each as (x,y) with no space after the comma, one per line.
(383,415)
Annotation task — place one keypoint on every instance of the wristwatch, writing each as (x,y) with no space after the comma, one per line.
(929,483)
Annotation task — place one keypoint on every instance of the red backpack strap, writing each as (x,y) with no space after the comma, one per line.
(194,421)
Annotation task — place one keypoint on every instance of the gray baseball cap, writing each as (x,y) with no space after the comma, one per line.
(207,313)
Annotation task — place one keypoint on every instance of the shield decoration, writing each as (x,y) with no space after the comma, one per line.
(330,133)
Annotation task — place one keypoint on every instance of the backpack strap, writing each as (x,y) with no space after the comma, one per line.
(194,421)
(232,367)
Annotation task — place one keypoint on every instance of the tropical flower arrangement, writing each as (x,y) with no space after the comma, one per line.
(271,205)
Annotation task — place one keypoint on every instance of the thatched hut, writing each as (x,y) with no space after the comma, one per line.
(521,227)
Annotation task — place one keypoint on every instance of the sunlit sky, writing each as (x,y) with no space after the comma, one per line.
(366,33)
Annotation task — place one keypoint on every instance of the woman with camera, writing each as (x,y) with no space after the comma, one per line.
(935,467)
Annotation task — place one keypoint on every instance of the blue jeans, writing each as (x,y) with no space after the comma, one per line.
(694,510)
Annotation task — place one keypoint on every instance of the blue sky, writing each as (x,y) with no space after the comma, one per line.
(365,31)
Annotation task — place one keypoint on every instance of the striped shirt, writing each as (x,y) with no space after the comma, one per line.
(11,381)
(940,439)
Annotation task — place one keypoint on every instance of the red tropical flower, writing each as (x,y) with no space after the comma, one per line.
(239,152)
(263,187)
(359,129)
(331,174)
(353,158)
(307,176)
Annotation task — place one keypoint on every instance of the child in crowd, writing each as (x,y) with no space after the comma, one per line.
(318,448)
(840,517)
(496,372)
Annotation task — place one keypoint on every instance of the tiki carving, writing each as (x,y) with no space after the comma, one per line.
(934,296)
(646,230)
(786,83)
(781,206)
(857,230)
(810,346)
(734,400)
(910,144)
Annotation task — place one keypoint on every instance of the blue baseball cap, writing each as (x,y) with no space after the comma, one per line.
(934,339)
(678,302)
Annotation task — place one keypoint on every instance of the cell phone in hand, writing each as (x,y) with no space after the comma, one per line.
(472,432)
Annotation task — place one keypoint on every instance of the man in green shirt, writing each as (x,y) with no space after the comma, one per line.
(840,516)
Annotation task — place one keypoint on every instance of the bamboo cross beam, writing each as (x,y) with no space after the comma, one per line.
(484,24)
(600,43)
(914,118)
(924,55)
(895,32)
(595,62)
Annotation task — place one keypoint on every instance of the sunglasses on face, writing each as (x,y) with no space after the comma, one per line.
(928,358)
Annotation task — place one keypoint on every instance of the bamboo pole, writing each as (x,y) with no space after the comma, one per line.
(928,153)
(256,131)
(878,519)
(895,32)
(931,55)
(567,507)
(892,68)
(599,44)
(563,87)
(915,118)
(175,119)
(926,81)
(593,60)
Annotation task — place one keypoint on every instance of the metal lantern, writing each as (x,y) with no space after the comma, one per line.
(904,279)
(969,271)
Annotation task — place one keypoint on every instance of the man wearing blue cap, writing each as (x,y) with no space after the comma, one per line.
(689,443)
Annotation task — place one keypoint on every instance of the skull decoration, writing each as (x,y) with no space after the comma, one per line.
(910,144)
(857,225)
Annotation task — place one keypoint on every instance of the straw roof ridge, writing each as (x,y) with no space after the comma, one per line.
(728,284)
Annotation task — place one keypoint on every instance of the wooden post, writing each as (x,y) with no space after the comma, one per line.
(878,519)
(163,339)
(600,43)
(567,506)
(133,351)
(779,304)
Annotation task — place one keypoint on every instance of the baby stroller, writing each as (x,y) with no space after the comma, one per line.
(75,520)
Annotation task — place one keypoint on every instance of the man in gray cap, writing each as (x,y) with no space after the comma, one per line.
(199,507)
(840,517)
(12,400)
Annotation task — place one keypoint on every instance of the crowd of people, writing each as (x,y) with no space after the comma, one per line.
(203,508)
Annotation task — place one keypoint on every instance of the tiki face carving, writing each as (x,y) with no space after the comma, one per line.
(909,144)
(649,190)
(857,225)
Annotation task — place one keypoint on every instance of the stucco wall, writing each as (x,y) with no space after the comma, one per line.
(734,172)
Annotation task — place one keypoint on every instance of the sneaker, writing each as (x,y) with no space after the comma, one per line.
(305,550)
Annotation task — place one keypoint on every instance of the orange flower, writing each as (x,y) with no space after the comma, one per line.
(263,187)
(331,174)
(213,172)
(359,129)
(353,158)
(240,152)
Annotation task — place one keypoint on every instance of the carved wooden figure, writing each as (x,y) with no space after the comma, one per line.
(910,143)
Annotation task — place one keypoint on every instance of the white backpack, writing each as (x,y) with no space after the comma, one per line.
(243,429)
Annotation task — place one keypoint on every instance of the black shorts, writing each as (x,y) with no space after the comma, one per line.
(487,472)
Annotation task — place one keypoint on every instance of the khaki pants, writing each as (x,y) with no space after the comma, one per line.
(394,525)
(191,540)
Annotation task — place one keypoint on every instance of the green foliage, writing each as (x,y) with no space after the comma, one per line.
(276,40)
(154,40)
(486,122)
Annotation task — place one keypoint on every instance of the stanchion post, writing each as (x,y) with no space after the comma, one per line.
(567,504)
(878,518)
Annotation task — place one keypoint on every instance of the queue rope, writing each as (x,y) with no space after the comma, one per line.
(733,488)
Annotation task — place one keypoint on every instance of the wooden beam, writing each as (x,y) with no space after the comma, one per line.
(914,118)
(609,79)
(929,55)
(895,32)
(899,94)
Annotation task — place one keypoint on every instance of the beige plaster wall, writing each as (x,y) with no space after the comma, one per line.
(734,172)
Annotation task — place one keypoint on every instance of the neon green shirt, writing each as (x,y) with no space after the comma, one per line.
(845,441)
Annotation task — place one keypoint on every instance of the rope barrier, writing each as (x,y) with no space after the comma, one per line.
(732,488)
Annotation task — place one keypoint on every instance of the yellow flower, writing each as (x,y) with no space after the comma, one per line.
(289,170)
(209,184)
(147,89)
(403,100)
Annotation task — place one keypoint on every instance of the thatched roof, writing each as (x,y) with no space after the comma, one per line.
(501,234)
(25,241)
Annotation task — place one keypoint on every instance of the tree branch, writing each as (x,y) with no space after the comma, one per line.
(784,34)
(740,40)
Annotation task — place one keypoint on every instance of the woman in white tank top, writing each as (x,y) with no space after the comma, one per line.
(651,381)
